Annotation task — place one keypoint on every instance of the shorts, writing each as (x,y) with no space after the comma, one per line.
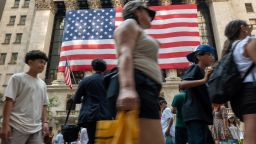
(248,104)
(148,91)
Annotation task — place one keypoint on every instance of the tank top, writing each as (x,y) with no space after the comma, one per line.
(243,63)
(145,57)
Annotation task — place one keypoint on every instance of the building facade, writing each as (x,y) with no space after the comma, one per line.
(2,4)
(39,24)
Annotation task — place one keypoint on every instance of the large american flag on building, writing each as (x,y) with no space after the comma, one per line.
(88,34)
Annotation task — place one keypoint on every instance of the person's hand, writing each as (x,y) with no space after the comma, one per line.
(167,133)
(45,129)
(127,99)
(208,72)
(5,132)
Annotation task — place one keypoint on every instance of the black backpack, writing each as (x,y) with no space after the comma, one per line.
(226,83)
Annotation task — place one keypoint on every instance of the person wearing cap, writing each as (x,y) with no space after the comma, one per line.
(197,111)
(140,77)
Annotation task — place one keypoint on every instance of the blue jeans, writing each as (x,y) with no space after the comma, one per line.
(199,133)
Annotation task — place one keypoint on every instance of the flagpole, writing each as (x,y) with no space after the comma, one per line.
(72,74)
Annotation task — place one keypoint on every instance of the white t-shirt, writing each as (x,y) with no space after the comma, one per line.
(59,139)
(83,136)
(235,132)
(166,115)
(29,95)
(243,63)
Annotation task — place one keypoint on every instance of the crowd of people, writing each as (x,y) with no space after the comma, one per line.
(136,85)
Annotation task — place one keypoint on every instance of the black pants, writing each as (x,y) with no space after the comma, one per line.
(181,136)
(91,130)
(199,133)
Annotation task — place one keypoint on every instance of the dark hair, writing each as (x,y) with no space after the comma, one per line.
(99,65)
(232,32)
(35,54)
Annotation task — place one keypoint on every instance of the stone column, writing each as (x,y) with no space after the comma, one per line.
(222,12)
(41,31)
(94,4)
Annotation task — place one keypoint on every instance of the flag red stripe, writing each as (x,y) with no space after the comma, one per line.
(180,44)
(173,25)
(170,16)
(175,34)
(175,65)
(88,46)
(82,67)
(173,7)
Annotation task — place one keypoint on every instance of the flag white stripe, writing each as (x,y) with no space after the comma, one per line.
(111,41)
(171,30)
(168,21)
(114,61)
(92,42)
(113,51)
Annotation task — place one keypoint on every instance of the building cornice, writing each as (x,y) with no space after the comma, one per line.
(94,4)
(45,5)
(71,4)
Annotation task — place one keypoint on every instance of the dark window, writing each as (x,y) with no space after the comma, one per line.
(7,38)
(12,20)
(26,4)
(248,7)
(18,38)
(13,59)
(16,3)
(22,20)
(2,58)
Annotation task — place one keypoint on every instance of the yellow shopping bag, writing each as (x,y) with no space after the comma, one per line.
(123,130)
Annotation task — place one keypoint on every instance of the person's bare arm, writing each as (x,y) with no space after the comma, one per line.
(170,122)
(250,50)
(6,129)
(185,84)
(174,110)
(45,120)
(125,38)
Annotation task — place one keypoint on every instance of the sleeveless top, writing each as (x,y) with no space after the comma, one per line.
(145,57)
(243,63)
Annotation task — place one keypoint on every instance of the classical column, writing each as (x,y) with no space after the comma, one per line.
(41,30)
(94,4)
(166,2)
(71,4)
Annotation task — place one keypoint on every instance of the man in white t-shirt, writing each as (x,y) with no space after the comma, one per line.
(25,104)
(168,127)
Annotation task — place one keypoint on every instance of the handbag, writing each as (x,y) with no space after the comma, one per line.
(123,130)
(70,132)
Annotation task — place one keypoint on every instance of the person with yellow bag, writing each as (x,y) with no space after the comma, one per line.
(139,76)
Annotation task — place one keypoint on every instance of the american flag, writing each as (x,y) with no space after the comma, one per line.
(67,77)
(88,34)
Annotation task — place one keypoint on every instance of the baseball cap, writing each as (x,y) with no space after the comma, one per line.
(131,6)
(200,48)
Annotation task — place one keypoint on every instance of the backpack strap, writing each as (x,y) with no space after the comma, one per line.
(250,68)
(248,71)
